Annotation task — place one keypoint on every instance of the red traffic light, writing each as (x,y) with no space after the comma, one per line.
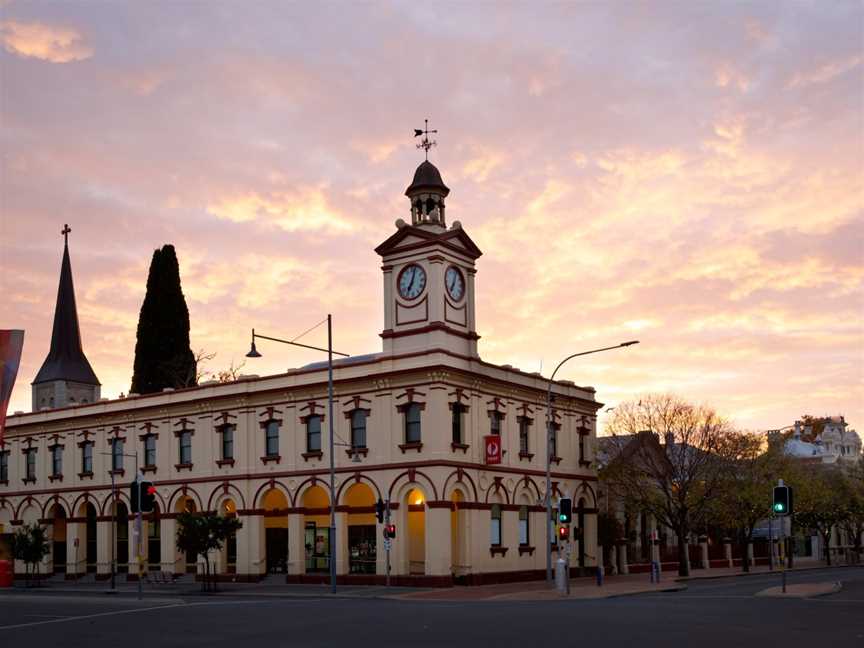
(564,532)
(390,531)
(151,490)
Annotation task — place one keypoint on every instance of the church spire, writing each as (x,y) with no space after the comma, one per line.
(66,376)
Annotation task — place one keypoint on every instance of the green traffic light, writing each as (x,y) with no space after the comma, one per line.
(778,507)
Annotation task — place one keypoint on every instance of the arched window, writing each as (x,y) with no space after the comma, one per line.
(495,526)
(524,529)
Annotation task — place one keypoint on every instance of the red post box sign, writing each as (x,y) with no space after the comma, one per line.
(493,449)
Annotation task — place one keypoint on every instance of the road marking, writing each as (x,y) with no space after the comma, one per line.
(47,616)
(89,616)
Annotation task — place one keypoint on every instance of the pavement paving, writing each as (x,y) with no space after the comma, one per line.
(802,590)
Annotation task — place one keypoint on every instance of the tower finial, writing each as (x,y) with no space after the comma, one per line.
(65,232)
(425,143)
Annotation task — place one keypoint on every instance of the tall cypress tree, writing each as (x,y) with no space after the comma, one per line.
(163,357)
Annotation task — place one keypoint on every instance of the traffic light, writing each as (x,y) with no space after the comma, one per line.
(390,531)
(565,510)
(564,533)
(148,497)
(782,500)
(379,510)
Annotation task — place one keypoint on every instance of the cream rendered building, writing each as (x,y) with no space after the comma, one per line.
(414,417)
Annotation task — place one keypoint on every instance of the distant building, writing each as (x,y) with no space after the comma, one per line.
(821,440)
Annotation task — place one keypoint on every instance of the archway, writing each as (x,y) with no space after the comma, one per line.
(228,554)
(362,539)
(458,539)
(121,537)
(580,528)
(88,511)
(154,540)
(316,529)
(415,507)
(186,562)
(6,517)
(275,506)
(58,539)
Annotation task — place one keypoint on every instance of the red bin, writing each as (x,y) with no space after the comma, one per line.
(5,573)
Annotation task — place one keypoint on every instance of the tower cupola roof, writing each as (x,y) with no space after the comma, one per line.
(427,179)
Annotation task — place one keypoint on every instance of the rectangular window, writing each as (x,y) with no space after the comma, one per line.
(271,431)
(4,466)
(117,454)
(553,441)
(31,463)
(524,535)
(581,447)
(495,419)
(495,526)
(87,457)
(150,450)
(457,423)
(412,423)
(313,433)
(524,427)
(185,447)
(358,428)
(56,461)
(227,442)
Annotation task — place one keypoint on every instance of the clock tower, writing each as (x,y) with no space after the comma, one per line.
(429,275)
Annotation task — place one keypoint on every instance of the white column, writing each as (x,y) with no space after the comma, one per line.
(623,566)
(438,544)
(104,551)
(168,547)
(296,544)
(703,547)
(727,552)
(590,536)
(341,543)
(250,547)
(75,556)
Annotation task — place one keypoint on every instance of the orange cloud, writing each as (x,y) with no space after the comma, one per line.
(306,209)
(44,42)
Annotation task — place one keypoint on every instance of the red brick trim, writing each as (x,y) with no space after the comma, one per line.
(433,326)
(177,433)
(436,504)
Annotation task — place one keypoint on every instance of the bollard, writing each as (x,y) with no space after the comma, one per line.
(600,576)
(561,576)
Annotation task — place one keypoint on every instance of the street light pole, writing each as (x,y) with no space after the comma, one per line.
(549,451)
(253,353)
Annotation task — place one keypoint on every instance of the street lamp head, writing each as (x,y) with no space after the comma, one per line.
(253,352)
(630,343)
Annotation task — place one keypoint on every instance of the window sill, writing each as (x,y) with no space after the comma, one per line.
(526,455)
(459,446)
(182,466)
(523,549)
(555,460)
(225,462)
(498,551)
(359,451)
(85,475)
(29,480)
(119,472)
(318,454)
(53,478)
(586,464)
(4,482)
(415,445)
(271,458)
(148,469)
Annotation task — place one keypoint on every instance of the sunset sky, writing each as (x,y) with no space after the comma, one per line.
(685,174)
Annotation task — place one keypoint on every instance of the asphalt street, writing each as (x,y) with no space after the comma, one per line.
(709,613)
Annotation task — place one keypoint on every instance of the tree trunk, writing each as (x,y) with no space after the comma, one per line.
(683,555)
(745,558)
(827,538)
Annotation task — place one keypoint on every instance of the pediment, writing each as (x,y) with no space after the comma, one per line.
(412,238)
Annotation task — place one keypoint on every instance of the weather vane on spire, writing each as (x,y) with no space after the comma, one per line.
(65,232)
(425,143)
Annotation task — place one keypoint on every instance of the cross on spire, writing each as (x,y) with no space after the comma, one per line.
(65,232)
(425,143)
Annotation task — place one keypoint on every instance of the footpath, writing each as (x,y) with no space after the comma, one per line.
(584,588)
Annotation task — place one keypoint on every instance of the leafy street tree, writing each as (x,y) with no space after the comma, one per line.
(201,533)
(30,545)
(163,357)
(820,500)
(744,498)
(668,458)
(854,521)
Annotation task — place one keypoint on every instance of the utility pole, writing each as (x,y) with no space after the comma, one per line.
(387,542)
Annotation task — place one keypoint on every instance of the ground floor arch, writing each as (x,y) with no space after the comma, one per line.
(361,533)
(58,530)
(275,505)
(414,504)
(316,529)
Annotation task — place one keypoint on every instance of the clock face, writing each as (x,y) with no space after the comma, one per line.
(412,281)
(455,283)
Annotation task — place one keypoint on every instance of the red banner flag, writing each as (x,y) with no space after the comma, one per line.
(11,343)
(493,449)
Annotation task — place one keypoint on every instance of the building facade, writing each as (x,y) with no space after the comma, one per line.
(410,426)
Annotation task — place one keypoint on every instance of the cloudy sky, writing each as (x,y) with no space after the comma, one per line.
(688,174)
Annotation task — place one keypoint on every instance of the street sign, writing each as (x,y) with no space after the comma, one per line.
(493,448)
(387,544)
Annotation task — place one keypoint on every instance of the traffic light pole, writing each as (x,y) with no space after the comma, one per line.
(138,528)
(387,542)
